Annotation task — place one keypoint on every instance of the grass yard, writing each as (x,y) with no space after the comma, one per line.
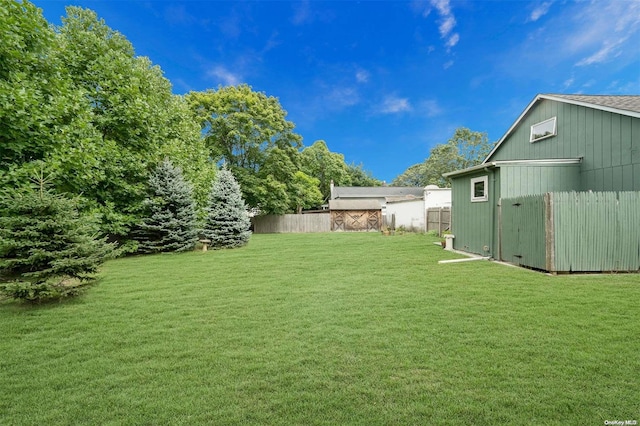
(325,329)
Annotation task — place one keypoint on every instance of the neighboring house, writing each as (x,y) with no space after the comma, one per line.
(559,144)
(411,212)
(369,208)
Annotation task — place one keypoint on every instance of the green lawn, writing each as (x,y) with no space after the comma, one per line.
(325,329)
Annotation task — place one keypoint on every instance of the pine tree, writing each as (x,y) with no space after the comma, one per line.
(47,249)
(227,224)
(171,224)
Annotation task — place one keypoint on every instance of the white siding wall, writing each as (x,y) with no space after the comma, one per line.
(409,214)
(440,197)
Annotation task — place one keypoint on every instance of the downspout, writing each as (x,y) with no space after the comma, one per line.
(492,248)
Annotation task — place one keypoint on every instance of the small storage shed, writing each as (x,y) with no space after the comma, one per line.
(560,145)
(355,215)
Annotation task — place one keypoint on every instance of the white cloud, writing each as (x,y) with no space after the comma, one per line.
(539,11)
(223,76)
(447,65)
(578,35)
(340,97)
(178,15)
(302,13)
(602,30)
(362,76)
(568,82)
(421,7)
(430,108)
(393,105)
(305,13)
(446,23)
(609,50)
(453,40)
(443,6)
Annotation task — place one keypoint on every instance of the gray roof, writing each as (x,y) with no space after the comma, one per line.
(620,102)
(376,191)
(403,198)
(354,205)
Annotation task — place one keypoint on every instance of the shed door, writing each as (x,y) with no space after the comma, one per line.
(522,231)
(356,220)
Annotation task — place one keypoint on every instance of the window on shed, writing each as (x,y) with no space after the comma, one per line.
(479,189)
(544,129)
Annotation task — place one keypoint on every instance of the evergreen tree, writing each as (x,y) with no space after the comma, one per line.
(47,249)
(172,222)
(227,224)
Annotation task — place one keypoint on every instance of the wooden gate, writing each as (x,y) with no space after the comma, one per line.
(522,231)
(356,220)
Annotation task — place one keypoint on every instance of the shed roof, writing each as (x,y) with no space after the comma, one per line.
(376,191)
(354,205)
(620,104)
(494,164)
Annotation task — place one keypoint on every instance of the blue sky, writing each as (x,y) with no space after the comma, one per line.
(382,82)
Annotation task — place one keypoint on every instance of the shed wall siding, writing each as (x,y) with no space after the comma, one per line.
(609,144)
(530,180)
(473,223)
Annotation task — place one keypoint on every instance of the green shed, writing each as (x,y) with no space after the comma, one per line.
(588,146)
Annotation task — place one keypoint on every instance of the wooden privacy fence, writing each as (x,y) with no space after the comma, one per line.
(438,219)
(292,223)
(572,231)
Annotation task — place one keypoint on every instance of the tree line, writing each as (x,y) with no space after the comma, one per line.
(98,156)
(466,148)
(76,101)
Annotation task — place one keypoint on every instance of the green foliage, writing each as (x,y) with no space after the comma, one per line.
(318,162)
(245,128)
(241,124)
(227,223)
(46,246)
(465,149)
(361,177)
(100,118)
(305,193)
(130,102)
(187,149)
(41,111)
(171,223)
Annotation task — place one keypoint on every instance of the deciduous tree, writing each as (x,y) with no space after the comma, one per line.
(465,149)
(241,126)
(318,162)
(361,177)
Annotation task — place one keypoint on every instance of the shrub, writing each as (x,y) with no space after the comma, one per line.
(47,249)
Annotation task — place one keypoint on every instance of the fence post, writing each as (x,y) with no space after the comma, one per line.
(549,232)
